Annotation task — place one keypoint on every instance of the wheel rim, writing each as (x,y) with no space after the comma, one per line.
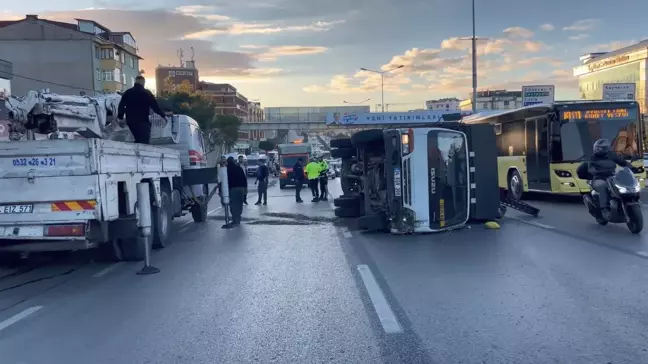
(164,220)
(516,185)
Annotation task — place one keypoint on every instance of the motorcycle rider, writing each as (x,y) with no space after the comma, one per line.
(599,168)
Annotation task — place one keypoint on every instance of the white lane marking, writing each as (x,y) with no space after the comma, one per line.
(385,314)
(19,316)
(107,270)
(347,234)
(642,253)
(537,224)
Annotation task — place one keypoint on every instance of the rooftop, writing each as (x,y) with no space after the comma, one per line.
(591,57)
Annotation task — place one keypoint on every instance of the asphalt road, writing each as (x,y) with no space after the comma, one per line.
(295,285)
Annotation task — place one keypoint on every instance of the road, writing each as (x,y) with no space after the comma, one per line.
(294,285)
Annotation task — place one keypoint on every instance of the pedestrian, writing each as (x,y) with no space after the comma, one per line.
(323,179)
(136,104)
(242,163)
(313,172)
(237,182)
(263,173)
(298,175)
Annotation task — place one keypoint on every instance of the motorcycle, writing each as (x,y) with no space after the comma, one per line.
(625,206)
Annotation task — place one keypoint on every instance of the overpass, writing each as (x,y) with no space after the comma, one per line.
(321,126)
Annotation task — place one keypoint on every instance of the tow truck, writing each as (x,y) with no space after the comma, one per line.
(77,188)
(419,173)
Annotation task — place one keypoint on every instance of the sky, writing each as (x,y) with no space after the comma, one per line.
(309,53)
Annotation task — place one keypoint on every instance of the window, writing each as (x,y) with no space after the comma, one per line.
(513,139)
(117,75)
(116,55)
(108,75)
(132,81)
(485,105)
(506,103)
(123,79)
(132,61)
(106,53)
(98,74)
(97,51)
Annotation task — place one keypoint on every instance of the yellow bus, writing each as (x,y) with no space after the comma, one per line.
(540,146)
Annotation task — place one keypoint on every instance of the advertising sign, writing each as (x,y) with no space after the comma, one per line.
(619,91)
(176,76)
(539,94)
(336,118)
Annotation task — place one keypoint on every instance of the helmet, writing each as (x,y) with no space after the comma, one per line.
(601,147)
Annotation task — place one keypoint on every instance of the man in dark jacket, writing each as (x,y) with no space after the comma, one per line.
(599,168)
(137,103)
(263,173)
(237,182)
(298,175)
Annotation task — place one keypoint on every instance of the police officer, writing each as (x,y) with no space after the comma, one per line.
(313,173)
(323,179)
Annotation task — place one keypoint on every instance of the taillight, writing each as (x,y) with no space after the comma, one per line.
(65,230)
(283,171)
(195,156)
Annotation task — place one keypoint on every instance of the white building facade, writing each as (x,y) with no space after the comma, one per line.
(493,100)
(447,104)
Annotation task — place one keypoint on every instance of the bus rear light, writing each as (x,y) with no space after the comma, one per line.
(65,230)
(562,174)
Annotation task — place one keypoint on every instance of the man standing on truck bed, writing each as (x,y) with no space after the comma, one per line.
(137,103)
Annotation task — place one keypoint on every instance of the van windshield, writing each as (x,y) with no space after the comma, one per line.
(252,162)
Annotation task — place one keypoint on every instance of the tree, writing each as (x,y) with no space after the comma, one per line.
(266,145)
(226,129)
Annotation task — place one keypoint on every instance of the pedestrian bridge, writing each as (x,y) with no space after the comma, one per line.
(321,126)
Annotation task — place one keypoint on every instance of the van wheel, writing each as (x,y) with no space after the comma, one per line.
(282,185)
(162,221)
(515,185)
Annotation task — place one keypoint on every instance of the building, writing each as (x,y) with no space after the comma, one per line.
(446,104)
(493,100)
(256,115)
(226,99)
(68,58)
(174,78)
(625,65)
(6,74)
(309,114)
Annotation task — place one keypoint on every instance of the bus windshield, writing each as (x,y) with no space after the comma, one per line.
(582,128)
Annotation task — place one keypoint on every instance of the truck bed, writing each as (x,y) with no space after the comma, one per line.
(55,181)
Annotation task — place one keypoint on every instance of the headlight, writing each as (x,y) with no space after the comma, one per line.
(634,189)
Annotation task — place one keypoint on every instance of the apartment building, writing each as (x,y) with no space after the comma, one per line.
(68,58)
(493,100)
(227,100)
(445,104)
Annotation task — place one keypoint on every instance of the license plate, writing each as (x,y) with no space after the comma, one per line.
(397,182)
(16,209)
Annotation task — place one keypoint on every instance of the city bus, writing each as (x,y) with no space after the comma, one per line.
(540,146)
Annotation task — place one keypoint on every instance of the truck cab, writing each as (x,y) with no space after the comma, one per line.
(289,154)
(419,179)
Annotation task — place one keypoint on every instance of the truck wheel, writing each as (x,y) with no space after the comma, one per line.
(347,212)
(341,143)
(515,185)
(199,212)
(343,153)
(111,251)
(364,138)
(161,222)
(282,185)
(347,201)
(133,249)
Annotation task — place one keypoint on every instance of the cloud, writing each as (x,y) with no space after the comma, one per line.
(579,36)
(581,25)
(447,70)
(518,32)
(611,46)
(266,53)
(547,27)
(159,33)
(251,28)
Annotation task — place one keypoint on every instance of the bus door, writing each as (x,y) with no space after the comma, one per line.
(448,174)
(537,153)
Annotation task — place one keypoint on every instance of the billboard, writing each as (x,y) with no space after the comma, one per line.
(390,118)
(538,94)
(167,77)
(619,91)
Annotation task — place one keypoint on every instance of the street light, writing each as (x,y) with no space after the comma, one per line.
(474,59)
(359,102)
(382,82)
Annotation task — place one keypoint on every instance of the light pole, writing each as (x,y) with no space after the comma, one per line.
(356,103)
(382,82)
(474,59)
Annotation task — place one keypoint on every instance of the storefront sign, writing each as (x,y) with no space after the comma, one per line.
(393,117)
(619,91)
(605,63)
(539,94)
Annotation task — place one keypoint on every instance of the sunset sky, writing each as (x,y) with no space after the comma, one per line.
(309,53)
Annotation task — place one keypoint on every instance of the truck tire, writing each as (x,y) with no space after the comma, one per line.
(161,221)
(341,143)
(364,138)
(347,201)
(282,185)
(110,252)
(133,249)
(373,223)
(199,212)
(347,212)
(343,153)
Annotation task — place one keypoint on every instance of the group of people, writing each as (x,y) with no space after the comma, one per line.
(238,186)
(317,173)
